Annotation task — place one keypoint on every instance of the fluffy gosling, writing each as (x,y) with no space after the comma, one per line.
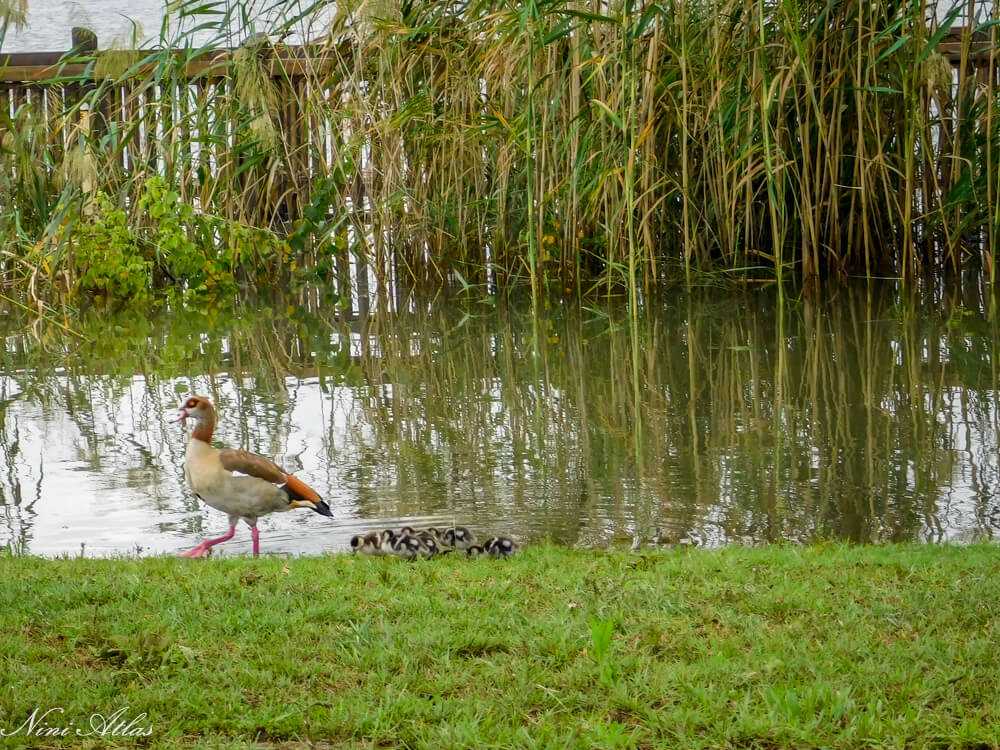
(457,537)
(367,544)
(406,546)
(500,546)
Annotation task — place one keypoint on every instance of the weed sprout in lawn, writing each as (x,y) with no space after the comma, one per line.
(601,638)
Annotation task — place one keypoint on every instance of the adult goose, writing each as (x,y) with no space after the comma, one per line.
(214,476)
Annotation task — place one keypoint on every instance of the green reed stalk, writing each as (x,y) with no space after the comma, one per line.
(530,25)
(992,183)
(685,142)
(630,80)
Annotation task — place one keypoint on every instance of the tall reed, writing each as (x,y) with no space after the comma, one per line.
(601,146)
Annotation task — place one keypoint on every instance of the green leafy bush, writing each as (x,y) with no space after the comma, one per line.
(106,256)
(201,253)
(193,267)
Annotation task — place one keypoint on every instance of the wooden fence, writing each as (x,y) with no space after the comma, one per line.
(61,78)
(194,107)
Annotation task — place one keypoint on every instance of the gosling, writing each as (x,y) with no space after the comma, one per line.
(457,537)
(428,546)
(500,546)
(411,546)
(367,544)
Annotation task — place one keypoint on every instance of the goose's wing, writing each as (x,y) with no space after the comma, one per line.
(254,465)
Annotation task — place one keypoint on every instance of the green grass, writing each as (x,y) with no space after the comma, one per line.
(825,646)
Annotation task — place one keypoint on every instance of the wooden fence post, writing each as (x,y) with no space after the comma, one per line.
(84,44)
(84,40)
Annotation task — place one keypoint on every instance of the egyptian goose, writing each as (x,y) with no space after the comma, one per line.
(266,488)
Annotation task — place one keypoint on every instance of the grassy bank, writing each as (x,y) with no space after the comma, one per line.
(779,647)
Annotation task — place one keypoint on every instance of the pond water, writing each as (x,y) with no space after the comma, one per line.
(719,417)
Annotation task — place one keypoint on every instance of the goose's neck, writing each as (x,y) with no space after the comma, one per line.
(204,429)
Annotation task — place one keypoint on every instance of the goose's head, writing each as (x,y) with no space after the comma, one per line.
(198,408)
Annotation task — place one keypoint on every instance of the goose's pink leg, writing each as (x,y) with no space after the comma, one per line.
(255,535)
(205,546)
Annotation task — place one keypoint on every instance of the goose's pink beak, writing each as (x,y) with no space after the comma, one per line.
(181,416)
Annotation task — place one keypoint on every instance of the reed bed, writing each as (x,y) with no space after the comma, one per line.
(580,146)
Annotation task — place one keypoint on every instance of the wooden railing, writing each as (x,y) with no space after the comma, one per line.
(195,104)
(50,67)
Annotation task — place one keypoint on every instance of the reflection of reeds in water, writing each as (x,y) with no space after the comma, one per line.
(843,426)
(863,417)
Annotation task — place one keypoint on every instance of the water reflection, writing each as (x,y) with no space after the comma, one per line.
(734,418)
